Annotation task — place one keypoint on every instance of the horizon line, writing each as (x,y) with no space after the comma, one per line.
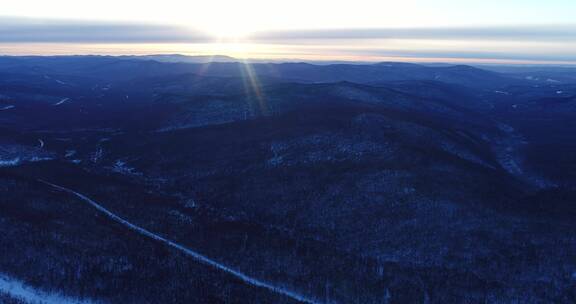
(327,59)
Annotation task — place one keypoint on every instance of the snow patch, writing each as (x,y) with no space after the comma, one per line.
(122,167)
(7,108)
(70,153)
(61,101)
(190,203)
(97,155)
(20,291)
(14,155)
(9,162)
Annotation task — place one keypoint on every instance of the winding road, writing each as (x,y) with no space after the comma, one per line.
(197,256)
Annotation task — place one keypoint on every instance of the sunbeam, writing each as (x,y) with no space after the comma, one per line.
(254,88)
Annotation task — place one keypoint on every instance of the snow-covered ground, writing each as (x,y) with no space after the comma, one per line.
(18,290)
(15,154)
(17,161)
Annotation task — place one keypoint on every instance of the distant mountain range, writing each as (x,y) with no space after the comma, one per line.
(129,67)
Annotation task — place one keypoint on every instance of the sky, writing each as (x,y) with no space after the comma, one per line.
(491,31)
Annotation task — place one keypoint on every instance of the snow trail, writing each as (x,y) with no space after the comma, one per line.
(197,256)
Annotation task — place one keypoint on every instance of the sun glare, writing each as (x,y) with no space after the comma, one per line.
(226,32)
(228,28)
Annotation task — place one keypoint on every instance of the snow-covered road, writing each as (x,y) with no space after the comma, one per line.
(197,256)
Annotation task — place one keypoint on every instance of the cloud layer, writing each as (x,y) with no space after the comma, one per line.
(518,33)
(550,43)
(13,30)
(50,30)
